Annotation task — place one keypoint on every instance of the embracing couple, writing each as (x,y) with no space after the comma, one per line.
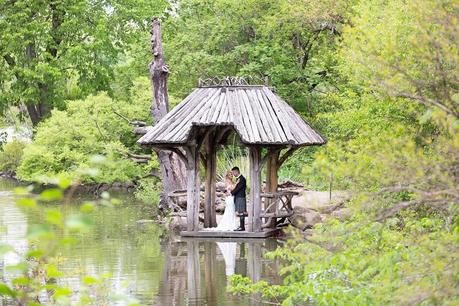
(235,202)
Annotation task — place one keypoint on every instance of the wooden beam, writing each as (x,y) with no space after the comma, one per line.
(286,155)
(179,153)
(222,133)
(230,235)
(210,132)
(202,134)
(211,175)
(254,209)
(193,188)
(271,151)
(271,183)
(213,190)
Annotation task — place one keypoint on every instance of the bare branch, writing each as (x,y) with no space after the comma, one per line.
(395,209)
(139,156)
(132,122)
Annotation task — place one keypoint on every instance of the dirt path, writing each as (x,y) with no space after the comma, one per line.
(319,200)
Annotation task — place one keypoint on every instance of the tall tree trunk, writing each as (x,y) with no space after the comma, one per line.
(39,109)
(172,168)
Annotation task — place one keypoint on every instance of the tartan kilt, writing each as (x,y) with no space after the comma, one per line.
(240,204)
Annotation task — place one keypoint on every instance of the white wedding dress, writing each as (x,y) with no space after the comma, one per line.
(228,221)
(228,250)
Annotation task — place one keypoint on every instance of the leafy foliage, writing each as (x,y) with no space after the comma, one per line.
(367,264)
(149,191)
(288,41)
(58,50)
(34,280)
(65,142)
(411,54)
(10,156)
(377,78)
(393,141)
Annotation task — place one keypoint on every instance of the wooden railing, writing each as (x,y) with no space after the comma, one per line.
(175,200)
(277,205)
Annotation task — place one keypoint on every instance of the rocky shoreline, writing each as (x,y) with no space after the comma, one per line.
(94,188)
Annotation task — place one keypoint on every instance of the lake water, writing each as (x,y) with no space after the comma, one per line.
(143,260)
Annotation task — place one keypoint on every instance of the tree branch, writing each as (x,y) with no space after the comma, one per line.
(139,156)
(9,60)
(132,122)
(429,102)
(286,155)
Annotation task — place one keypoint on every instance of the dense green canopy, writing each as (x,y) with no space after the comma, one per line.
(53,50)
(378,79)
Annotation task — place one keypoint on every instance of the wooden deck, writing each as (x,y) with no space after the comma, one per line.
(231,234)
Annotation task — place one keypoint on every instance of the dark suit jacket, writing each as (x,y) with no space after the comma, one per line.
(239,189)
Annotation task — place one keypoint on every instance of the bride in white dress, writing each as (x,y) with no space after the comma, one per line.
(228,221)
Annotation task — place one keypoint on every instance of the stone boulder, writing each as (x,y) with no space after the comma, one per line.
(342,214)
(220,186)
(304,218)
(177,224)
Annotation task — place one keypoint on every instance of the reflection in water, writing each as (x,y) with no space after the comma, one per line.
(13,230)
(196,273)
(228,250)
(156,271)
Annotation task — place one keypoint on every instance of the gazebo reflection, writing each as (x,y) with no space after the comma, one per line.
(195,271)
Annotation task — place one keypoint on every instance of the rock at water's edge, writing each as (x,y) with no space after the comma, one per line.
(304,218)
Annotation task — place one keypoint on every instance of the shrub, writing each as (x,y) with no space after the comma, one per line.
(10,156)
(65,142)
(149,191)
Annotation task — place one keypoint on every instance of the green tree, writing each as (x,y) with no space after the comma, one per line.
(290,42)
(10,156)
(407,50)
(66,141)
(53,50)
(394,143)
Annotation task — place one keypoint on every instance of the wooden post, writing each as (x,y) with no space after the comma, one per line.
(254,209)
(194,272)
(211,174)
(165,287)
(210,273)
(254,261)
(272,167)
(193,188)
(254,268)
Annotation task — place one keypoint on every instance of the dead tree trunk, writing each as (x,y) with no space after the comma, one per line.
(172,168)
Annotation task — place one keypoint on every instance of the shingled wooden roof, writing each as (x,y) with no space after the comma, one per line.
(258,115)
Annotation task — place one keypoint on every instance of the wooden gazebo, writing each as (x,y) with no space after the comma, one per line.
(265,123)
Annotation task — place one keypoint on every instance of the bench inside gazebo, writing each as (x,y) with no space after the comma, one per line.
(264,123)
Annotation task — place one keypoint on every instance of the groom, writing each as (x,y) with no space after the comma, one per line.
(239,197)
